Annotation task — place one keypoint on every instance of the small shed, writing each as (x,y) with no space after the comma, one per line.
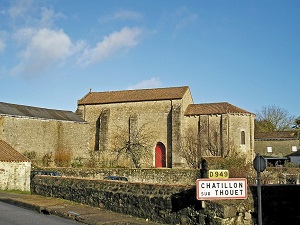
(14,169)
(295,158)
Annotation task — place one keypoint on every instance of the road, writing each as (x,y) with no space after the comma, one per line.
(13,215)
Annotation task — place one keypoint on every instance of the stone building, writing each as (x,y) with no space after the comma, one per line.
(172,118)
(147,128)
(278,146)
(42,133)
(14,169)
(276,143)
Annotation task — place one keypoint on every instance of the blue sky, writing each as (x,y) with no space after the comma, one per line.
(246,52)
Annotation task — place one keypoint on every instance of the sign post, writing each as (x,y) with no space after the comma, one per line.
(217,189)
(260,165)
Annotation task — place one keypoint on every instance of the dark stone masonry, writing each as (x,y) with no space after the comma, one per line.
(168,204)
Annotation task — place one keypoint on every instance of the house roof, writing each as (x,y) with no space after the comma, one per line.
(276,135)
(35,112)
(155,94)
(213,109)
(297,153)
(9,154)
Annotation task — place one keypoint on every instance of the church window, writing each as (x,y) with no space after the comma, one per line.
(243,138)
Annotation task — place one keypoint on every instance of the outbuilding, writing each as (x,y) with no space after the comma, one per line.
(14,169)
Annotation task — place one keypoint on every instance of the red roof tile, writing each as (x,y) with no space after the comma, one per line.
(213,108)
(155,94)
(276,135)
(9,154)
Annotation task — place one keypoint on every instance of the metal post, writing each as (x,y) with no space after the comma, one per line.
(259,198)
(260,165)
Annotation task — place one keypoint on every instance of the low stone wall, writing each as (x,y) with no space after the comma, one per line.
(168,204)
(161,176)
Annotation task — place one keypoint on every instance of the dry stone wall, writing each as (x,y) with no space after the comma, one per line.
(156,176)
(168,204)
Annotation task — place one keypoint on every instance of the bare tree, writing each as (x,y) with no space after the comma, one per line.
(264,126)
(278,117)
(189,150)
(215,145)
(135,145)
(194,146)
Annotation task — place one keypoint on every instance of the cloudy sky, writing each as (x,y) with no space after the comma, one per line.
(247,53)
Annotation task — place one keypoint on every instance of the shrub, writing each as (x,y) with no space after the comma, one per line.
(77,162)
(62,157)
(46,159)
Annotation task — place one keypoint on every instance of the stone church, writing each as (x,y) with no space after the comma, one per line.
(160,127)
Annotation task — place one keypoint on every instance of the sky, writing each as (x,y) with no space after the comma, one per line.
(247,53)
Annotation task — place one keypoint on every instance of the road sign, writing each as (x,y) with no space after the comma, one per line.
(259,163)
(218,174)
(217,189)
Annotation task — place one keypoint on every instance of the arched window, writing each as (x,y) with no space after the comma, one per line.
(243,138)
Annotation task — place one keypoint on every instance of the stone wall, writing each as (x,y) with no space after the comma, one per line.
(45,136)
(160,176)
(280,148)
(153,115)
(175,204)
(168,204)
(15,176)
(224,130)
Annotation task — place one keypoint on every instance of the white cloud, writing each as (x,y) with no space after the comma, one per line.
(185,18)
(115,42)
(43,48)
(19,8)
(48,16)
(151,83)
(122,15)
(182,18)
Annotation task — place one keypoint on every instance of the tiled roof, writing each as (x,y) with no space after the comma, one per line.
(275,135)
(155,94)
(213,109)
(35,112)
(9,154)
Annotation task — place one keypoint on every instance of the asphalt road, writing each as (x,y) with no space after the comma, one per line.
(13,215)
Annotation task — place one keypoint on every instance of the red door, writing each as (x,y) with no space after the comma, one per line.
(160,155)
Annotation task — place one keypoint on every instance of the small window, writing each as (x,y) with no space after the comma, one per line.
(294,148)
(269,149)
(243,138)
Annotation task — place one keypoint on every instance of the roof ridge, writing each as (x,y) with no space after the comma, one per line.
(141,89)
(135,95)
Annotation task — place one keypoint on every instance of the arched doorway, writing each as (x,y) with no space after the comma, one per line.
(160,155)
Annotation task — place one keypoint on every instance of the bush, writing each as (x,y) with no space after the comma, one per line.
(47,159)
(62,157)
(77,162)
(236,164)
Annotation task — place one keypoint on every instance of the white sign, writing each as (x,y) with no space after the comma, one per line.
(213,189)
